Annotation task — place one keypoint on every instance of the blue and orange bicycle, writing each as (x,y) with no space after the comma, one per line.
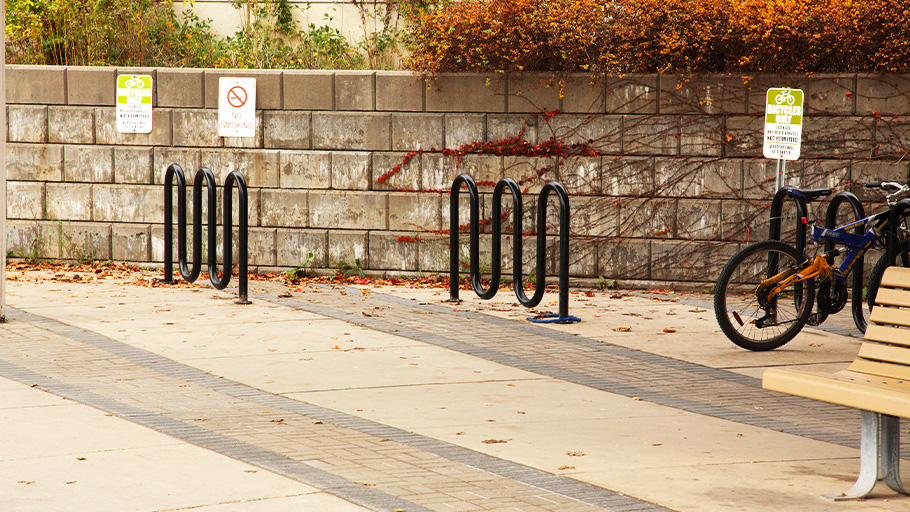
(770,290)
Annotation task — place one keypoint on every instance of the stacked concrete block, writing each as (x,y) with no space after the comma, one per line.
(348,165)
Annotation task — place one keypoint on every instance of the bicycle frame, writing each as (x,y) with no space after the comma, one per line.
(855,246)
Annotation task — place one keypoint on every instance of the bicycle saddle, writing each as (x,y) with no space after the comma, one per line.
(808,194)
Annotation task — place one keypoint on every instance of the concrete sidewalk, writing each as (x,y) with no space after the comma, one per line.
(386,398)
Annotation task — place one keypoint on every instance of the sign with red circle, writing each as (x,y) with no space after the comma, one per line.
(236,107)
(236,96)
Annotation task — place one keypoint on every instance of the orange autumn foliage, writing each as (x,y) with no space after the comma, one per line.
(777,36)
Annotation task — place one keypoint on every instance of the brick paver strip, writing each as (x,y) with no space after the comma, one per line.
(228,417)
(658,379)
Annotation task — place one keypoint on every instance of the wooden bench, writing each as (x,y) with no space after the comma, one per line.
(877,383)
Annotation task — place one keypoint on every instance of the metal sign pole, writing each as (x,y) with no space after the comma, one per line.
(781,172)
(3,169)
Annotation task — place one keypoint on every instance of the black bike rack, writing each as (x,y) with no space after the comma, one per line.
(859,213)
(802,212)
(191,274)
(496,224)
(774,228)
(894,220)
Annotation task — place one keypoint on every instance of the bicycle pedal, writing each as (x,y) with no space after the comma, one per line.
(813,320)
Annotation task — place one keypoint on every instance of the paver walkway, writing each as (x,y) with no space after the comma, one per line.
(375,464)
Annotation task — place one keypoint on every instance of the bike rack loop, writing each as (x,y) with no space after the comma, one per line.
(517,245)
(802,211)
(774,228)
(191,274)
(893,225)
(859,213)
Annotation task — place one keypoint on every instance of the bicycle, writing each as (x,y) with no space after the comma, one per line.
(766,292)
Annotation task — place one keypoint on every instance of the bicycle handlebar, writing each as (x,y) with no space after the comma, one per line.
(885,185)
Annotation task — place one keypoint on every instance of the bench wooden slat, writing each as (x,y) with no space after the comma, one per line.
(885,353)
(893,297)
(888,334)
(840,389)
(893,316)
(896,277)
(887,370)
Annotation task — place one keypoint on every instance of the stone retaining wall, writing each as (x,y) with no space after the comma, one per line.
(675,185)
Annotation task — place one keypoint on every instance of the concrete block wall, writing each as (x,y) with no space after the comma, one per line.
(676,183)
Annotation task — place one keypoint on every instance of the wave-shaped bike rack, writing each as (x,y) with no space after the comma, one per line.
(898,211)
(802,198)
(190,274)
(777,204)
(859,213)
(496,223)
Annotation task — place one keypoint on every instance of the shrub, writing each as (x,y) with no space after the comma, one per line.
(148,33)
(663,36)
(103,32)
(512,35)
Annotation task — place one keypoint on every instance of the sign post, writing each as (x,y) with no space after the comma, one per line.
(3,171)
(783,128)
(236,107)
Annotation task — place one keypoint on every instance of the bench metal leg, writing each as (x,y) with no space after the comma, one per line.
(879,450)
(891,453)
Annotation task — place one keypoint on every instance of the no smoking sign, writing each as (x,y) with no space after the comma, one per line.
(236,107)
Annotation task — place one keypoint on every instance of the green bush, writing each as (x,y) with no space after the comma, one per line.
(104,32)
(148,33)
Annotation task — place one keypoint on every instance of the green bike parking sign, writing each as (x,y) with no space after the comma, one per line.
(783,124)
(134,103)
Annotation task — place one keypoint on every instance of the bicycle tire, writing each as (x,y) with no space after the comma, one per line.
(875,277)
(734,309)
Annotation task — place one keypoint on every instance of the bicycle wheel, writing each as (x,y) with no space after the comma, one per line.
(761,323)
(875,278)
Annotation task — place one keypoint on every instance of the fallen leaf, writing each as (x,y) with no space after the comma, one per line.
(656,444)
(494,441)
(669,330)
(565,467)
(366,484)
(575,454)
(279,420)
(26,482)
(589,294)
(623,328)
(284,295)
